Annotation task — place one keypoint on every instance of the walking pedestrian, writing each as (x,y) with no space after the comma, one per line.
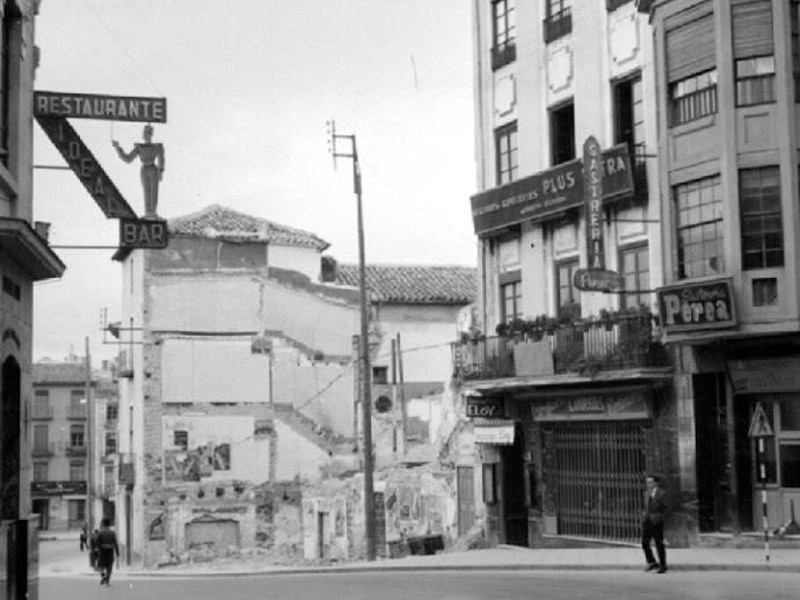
(93,550)
(653,525)
(108,551)
(83,538)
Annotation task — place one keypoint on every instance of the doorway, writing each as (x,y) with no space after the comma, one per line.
(10,417)
(41,507)
(465,482)
(515,511)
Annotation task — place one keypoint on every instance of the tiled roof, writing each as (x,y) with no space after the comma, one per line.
(414,284)
(54,373)
(220,221)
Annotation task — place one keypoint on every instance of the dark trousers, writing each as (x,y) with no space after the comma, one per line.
(655,532)
(106,564)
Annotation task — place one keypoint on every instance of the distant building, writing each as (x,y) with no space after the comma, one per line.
(240,370)
(60,445)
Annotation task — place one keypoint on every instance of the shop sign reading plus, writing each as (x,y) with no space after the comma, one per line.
(697,306)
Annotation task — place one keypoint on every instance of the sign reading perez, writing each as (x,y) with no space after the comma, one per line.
(697,306)
(143,233)
(485,407)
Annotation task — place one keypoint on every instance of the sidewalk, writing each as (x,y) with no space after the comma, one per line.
(501,558)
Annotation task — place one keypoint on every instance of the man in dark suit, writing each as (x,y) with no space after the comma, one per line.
(653,525)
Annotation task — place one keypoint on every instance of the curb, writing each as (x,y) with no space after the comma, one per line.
(121,575)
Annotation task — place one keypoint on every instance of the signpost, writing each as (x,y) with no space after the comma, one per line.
(593,197)
(697,306)
(760,428)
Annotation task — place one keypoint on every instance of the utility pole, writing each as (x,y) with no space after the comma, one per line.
(90,445)
(366,393)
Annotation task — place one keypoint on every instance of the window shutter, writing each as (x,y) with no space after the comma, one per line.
(752,28)
(690,42)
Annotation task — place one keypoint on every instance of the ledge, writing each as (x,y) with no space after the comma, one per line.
(28,250)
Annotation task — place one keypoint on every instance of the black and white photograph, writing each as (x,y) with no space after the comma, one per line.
(432,299)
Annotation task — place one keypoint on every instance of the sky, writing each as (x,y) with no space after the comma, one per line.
(250,86)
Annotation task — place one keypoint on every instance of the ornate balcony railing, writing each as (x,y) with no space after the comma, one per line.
(75,450)
(557,25)
(582,347)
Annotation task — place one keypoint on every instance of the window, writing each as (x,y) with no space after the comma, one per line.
(762,226)
(41,441)
(11,18)
(180,438)
(77,470)
(795,49)
(629,113)
(77,404)
(753,51)
(691,63)
(76,435)
(511,293)
(76,513)
(506,153)
(765,291)
(41,405)
(694,97)
(562,134)
(489,483)
(755,80)
(11,288)
(635,268)
(112,411)
(698,218)
(503,26)
(380,375)
(790,465)
(111,443)
(568,301)
(790,415)
(40,471)
(558,22)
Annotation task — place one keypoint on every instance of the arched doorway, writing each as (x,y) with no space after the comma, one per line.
(10,428)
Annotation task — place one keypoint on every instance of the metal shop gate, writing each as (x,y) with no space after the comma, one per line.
(598,471)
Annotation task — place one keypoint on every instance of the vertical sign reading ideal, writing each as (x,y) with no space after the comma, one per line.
(593,194)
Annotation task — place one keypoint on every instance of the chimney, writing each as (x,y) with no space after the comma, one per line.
(328,269)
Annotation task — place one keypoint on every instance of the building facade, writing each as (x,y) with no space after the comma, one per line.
(60,450)
(25,257)
(728,125)
(239,373)
(566,386)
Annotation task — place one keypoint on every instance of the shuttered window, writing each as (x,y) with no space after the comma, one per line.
(690,42)
(752,28)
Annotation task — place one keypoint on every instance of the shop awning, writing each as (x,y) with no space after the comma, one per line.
(499,431)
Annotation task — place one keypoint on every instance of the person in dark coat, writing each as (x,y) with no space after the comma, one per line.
(653,525)
(107,551)
(84,538)
(93,550)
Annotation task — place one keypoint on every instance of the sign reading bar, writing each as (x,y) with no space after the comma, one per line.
(697,306)
(550,192)
(593,194)
(143,233)
(598,280)
(58,488)
(94,106)
(485,407)
(85,166)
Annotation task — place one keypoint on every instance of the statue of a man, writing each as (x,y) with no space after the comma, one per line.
(152,157)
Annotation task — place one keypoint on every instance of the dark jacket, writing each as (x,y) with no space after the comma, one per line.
(655,507)
(106,542)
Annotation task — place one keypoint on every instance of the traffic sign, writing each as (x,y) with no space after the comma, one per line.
(598,280)
(759,424)
(143,233)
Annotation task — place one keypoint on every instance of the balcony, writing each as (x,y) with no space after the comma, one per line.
(580,347)
(503,54)
(75,450)
(43,450)
(693,106)
(557,25)
(42,413)
(76,413)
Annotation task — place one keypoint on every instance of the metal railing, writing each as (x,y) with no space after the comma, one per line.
(557,25)
(693,106)
(625,343)
(503,54)
(77,413)
(75,450)
(42,413)
(43,449)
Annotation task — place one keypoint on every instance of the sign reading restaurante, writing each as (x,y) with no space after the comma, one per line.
(95,106)
(697,306)
(550,192)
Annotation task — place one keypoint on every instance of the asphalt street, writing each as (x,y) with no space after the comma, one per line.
(491,585)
